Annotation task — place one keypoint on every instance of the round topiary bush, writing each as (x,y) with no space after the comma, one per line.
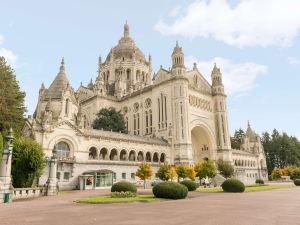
(170,190)
(297,182)
(191,185)
(123,186)
(233,185)
(259,181)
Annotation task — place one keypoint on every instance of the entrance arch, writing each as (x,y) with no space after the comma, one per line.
(202,144)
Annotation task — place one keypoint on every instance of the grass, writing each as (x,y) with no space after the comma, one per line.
(107,199)
(250,188)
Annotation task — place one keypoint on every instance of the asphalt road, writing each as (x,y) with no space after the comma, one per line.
(276,207)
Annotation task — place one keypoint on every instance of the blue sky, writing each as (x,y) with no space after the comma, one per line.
(256,43)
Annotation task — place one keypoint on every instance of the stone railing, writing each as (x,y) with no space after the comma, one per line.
(23,193)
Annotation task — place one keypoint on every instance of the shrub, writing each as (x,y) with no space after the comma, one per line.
(259,181)
(276,173)
(170,190)
(297,182)
(122,194)
(233,185)
(123,186)
(191,185)
(293,172)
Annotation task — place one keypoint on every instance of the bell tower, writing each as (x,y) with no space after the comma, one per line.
(178,67)
(220,113)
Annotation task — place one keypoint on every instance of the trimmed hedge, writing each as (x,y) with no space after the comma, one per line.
(297,182)
(259,181)
(233,185)
(123,186)
(191,185)
(170,190)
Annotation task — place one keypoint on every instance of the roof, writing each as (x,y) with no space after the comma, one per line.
(60,83)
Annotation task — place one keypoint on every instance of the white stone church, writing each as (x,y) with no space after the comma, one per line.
(172,116)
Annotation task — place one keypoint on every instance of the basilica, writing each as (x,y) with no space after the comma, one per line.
(172,116)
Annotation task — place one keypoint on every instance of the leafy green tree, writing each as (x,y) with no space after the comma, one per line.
(110,119)
(27,162)
(144,172)
(281,150)
(205,168)
(181,170)
(163,172)
(225,168)
(12,107)
(237,139)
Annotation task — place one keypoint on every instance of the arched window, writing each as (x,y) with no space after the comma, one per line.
(148,157)
(103,154)
(162,157)
(92,153)
(123,155)
(140,157)
(63,150)
(67,107)
(155,157)
(113,154)
(132,156)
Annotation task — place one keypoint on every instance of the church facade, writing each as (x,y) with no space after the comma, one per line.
(172,116)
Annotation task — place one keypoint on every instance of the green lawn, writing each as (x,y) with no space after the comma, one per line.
(108,199)
(250,188)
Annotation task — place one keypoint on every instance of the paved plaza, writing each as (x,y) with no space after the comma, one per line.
(276,207)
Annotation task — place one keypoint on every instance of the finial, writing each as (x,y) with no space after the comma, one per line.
(126,29)
(62,65)
(248,124)
(177,44)
(149,58)
(42,86)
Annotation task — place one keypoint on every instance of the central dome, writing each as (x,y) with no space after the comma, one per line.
(126,48)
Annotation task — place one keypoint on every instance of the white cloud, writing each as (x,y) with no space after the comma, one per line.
(248,23)
(293,60)
(10,57)
(238,78)
(175,11)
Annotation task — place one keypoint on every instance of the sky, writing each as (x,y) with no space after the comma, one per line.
(256,44)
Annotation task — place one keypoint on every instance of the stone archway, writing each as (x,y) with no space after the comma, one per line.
(202,146)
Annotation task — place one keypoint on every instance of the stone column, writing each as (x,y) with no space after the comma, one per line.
(5,170)
(52,188)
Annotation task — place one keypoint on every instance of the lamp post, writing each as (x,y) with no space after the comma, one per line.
(5,170)
(52,188)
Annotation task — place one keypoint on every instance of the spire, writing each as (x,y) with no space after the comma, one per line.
(177,57)
(42,86)
(249,124)
(99,65)
(126,29)
(59,84)
(195,66)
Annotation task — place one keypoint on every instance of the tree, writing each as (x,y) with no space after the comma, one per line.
(281,150)
(276,173)
(12,107)
(27,162)
(144,172)
(163,172)
(237,139)
(225,168)
(181,171)
(172,173)
(190,172)
(205,168)
(110,119)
